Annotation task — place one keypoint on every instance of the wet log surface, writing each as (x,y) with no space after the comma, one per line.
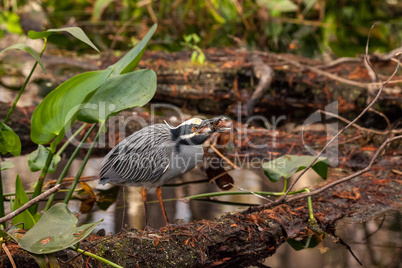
(238,238)
(299,85)
(246,142)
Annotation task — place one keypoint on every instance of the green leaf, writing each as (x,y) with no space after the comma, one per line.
(77,32)
(37,159)
(278,5)
(99,7)
(132,58)
(27,49)
(6,165)
(119,93)
(46,260)
(286,166)
(194,56)
(9,141)
(56,230)
(60,106)
(201,58)
(21,198)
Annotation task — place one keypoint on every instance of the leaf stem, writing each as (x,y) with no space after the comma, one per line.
(79,173)
(96,257)
(67,166)
(10,111)
(228,193)
(39,183)
(310,205)
(62,148)
(1,201)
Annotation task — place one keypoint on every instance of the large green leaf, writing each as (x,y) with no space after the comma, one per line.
(132,58)
(60,106)
(9,141)
(28,49)
(37,159)
(74,31)
(286,166)
(56,230)
(21,198)
(119,93)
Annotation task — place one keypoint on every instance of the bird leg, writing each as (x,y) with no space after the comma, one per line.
(159,195)
(144,200)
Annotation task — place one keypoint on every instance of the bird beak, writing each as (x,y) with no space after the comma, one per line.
(213,125)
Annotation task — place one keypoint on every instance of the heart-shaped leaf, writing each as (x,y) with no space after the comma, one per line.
(60,106)
(286,166)
(132,58)
(74,31)
(9,141)
(28,49)
(37,159)
(56,230)
(119,93)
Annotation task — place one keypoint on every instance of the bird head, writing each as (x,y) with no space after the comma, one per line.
(196,131)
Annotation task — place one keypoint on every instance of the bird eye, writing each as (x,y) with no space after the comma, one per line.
(194,129)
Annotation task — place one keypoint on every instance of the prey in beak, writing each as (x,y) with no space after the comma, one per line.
(217,124)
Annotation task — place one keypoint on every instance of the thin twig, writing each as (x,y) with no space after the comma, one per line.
(347,126)
(223,157)
(379,132)
(354,175)
(330,185)
(10,257)
(30,203)
(251,192)
(385,118)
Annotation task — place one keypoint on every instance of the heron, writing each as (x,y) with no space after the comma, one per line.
(152,156)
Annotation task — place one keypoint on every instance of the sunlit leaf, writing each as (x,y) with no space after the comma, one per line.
(9,141)
(85,186)
(278,5)
(29,50)
(37,159)
(56,230)
(286,166)
(60,106)
(119,93)
(74,31)
(132,58)
(21,198)
(99,7)
(6,165)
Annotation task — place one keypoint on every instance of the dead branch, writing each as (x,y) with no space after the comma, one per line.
(265,74)
(30,203)
(244,239)
(383,84)
(369,130)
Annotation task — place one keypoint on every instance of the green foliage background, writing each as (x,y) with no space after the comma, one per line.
(306,27)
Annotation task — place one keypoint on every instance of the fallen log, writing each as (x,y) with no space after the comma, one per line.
(240,239)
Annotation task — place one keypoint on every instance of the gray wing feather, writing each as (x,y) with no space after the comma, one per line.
(142,157)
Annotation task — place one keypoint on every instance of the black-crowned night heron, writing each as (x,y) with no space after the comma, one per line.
(156,154)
